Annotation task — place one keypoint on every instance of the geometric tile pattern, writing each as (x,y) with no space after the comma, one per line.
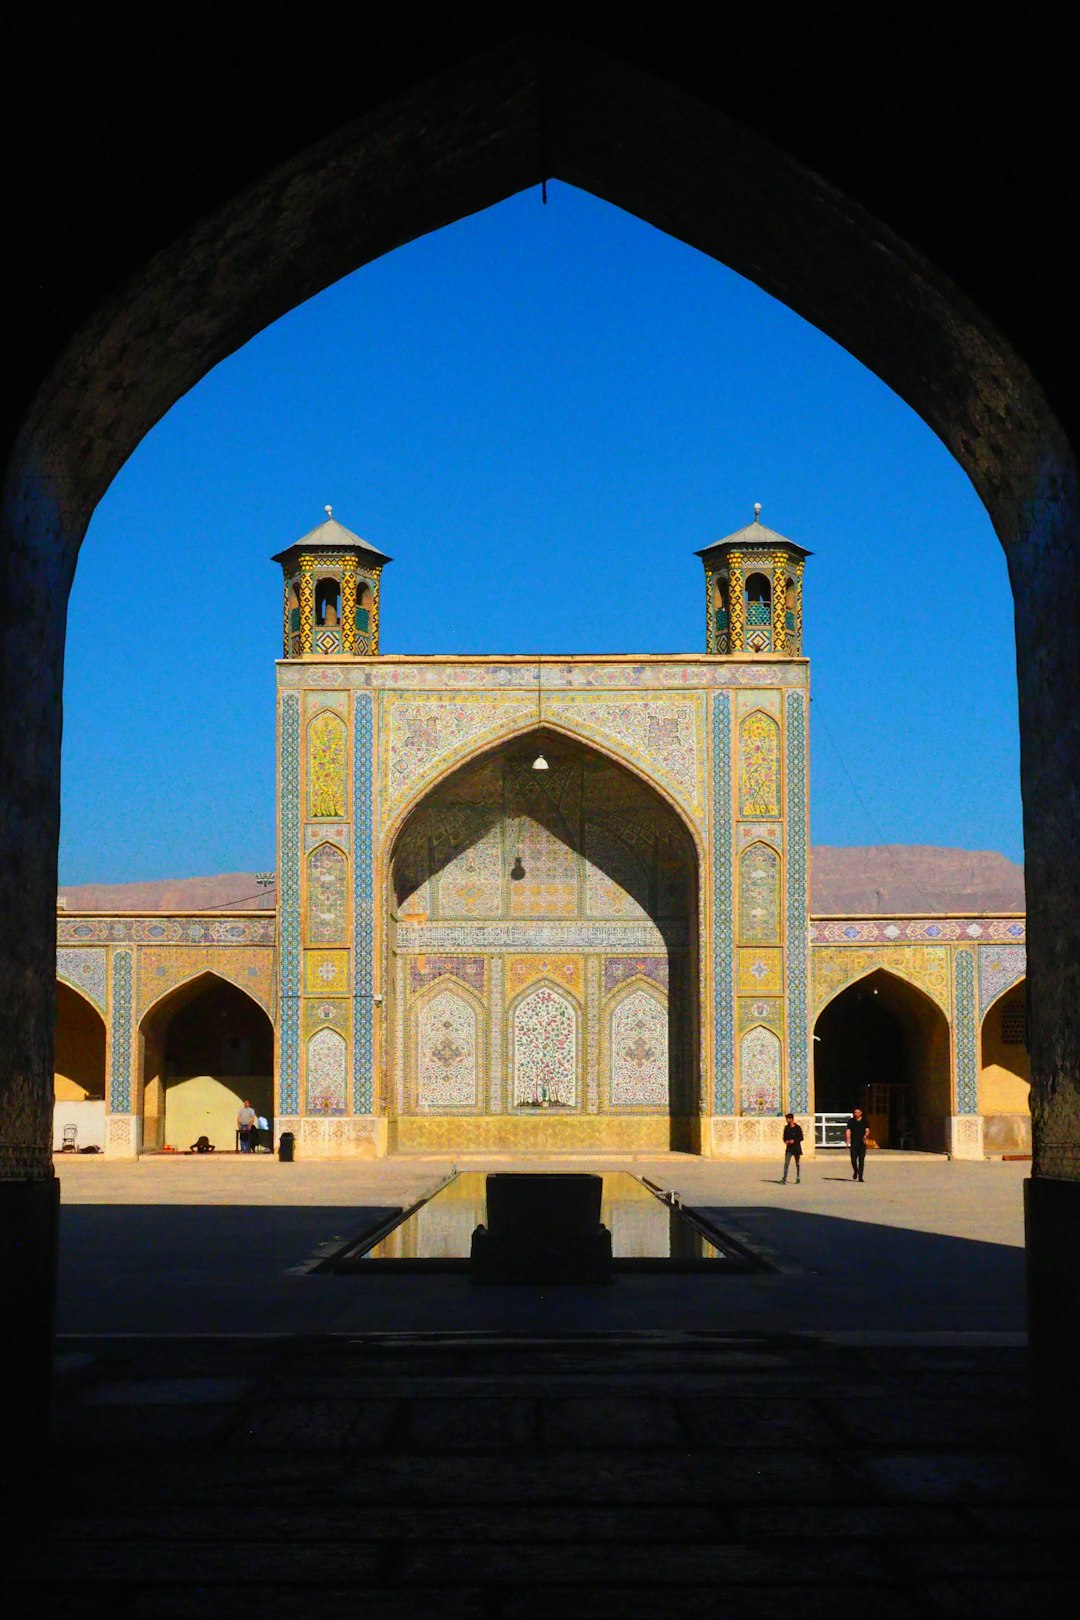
(798,905)
(723,1101)
(159,969)
(159,929)
(926,966)
(899,930)
(120,1071)
(289,899)
(617,969)
(84,968)
(440,675)
(1000,967)
(965,1035)
(363,909)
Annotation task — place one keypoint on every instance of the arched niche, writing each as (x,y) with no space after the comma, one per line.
(882,1044)
(448,1032)
(204,1049)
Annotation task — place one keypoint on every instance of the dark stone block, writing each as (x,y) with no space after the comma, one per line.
(542,1229)
(1052,1221)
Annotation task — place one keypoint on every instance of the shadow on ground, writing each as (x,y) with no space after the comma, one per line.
(169,1269)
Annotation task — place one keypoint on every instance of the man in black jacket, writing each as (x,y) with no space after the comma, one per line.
(793,1141)
(855,1137)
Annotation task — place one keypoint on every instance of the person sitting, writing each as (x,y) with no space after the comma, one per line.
(202,1144)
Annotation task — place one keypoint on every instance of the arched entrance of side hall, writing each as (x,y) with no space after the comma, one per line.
(542,967)
(78,1070)
(882,1045)
(204,1049)
(1005,1074)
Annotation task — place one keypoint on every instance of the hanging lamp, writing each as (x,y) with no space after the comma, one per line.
(539,763)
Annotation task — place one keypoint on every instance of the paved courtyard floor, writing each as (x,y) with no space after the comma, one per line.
(843,1436)
(217,1245)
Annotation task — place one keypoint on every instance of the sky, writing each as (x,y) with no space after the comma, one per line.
(541,413)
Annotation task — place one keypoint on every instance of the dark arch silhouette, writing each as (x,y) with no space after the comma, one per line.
(447,119)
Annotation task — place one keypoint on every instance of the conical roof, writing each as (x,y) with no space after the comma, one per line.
(755,534)
(332,536)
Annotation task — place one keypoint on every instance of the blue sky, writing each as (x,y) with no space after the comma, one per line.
(540,413)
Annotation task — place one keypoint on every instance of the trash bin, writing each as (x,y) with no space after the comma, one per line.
(286,1146)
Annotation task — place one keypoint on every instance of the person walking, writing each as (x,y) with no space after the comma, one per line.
(245,1121)
(855,1137)
(793,1141)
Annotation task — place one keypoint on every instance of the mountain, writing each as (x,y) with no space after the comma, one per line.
(911,879)
(904,878)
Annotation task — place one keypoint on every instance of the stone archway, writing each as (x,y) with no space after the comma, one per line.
(204,1049)
(542,957)
(1005,1074)
(882,1045)
(447,127)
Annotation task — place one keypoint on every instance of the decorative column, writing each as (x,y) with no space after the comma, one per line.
(779,601)
(736,602)
(966,1127)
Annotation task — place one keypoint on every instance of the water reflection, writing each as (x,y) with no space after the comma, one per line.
(642,1226)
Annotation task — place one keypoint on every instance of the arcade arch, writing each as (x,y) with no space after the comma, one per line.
(78,1069)
(541,937)
(204,1048)
(882,1045)
(1005,1073)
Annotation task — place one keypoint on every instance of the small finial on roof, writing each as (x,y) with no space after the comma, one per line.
(757,510)
(329,510)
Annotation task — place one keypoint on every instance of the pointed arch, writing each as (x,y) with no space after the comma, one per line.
(327,895)
(882,1042)
(327,767)
(448,1032)
(326,1073)
(761,1071)
(205,1047)
(760,894)
(79,1062)
(1004,1082)
(637,1046)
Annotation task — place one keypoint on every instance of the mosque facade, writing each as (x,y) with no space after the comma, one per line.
(542,904)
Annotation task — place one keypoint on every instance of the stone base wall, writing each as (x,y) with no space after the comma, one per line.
(361,1136)
(751,1136)
(545,1133)
(1006,1133)
(123,1136)
(966,1136)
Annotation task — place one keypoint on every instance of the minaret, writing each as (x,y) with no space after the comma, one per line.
(331,593)
(753,585)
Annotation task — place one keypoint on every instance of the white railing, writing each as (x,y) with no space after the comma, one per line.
(829,1130)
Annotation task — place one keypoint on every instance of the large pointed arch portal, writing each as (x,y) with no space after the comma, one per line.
(542,959)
